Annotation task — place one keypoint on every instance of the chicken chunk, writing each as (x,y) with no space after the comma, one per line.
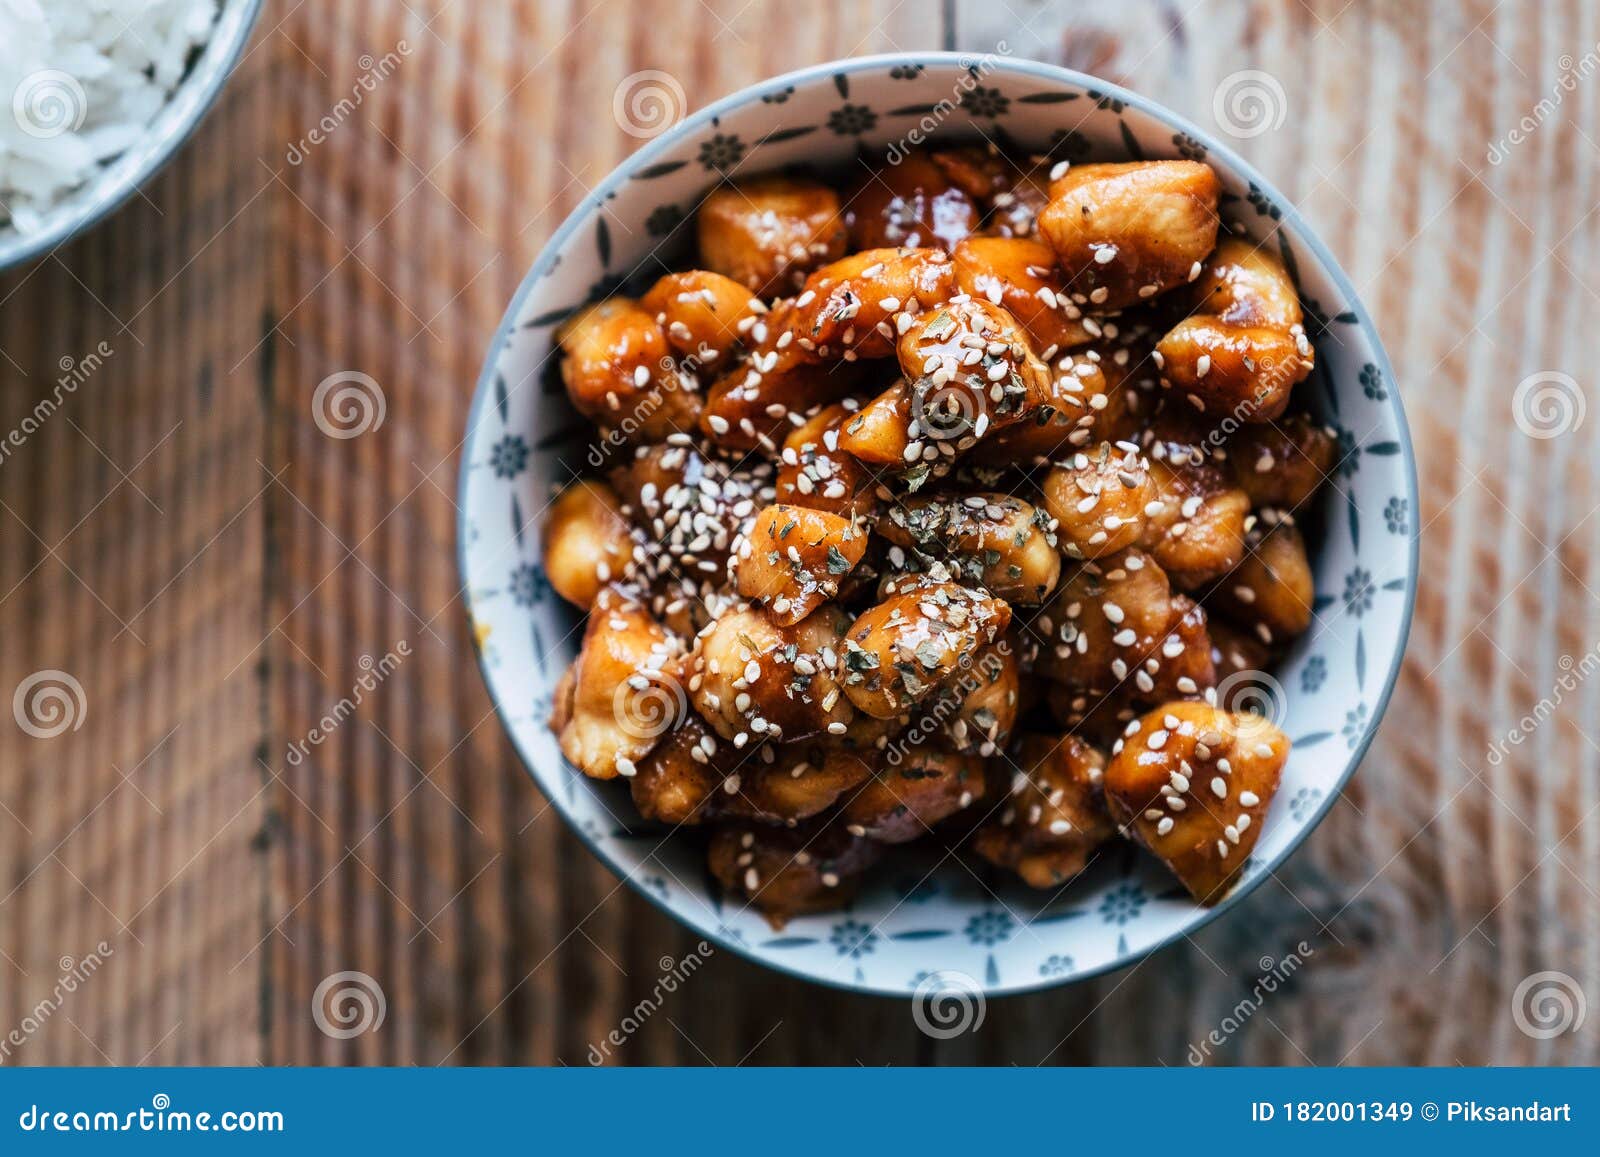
(803,780)
(852,306)
(1270,591)
(1116,620)
(1282,463)
(620,373)
(626,689)
(972,371)
(754,679)
(794,559)
(1021,276)
(758,403)
(1197,535)
(1124,233)
(1244,347)
(917,788)
(897,652)
(1084,406)
(679,783)
(1101,500)
(788,872)
(989,694)
(1193,783)
(703,315)
(1011,195)
(1055,818)
(815,469)
(991,541)
(769,232)
(586,542)
(913,203)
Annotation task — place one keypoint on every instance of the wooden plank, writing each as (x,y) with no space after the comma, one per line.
(255,560)
(532,950)
(1451,878)
(133,563)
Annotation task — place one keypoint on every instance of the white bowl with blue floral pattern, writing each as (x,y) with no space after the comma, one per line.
(906,925)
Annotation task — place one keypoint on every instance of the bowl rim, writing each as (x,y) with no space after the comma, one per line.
(237,20)
(1038,70)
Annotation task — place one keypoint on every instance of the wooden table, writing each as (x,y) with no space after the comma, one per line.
(182,540)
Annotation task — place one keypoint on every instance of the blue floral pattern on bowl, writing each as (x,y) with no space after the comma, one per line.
(919,919)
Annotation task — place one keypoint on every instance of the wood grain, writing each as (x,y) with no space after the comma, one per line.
(185,540)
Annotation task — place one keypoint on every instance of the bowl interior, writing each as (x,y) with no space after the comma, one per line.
(167,131)
(920,914)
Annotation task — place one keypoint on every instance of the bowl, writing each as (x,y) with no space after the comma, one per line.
(915,919)
(107,189)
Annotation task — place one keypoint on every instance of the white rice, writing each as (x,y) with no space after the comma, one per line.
(82,80)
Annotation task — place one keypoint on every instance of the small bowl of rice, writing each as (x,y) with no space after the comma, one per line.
(100,94)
